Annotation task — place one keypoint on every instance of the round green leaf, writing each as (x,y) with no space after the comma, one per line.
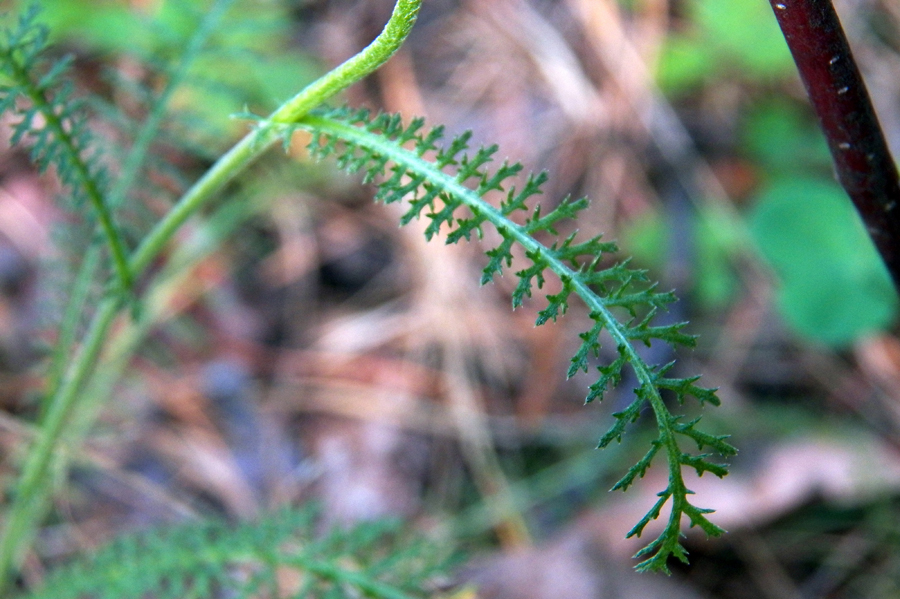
(747,31)
(833,286)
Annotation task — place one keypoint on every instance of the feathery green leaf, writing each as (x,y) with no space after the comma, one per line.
(51,119)
(204,559)
(449,185)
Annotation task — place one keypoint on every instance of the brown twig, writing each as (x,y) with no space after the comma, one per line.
(839,97)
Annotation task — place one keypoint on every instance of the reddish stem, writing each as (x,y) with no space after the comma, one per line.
(839,97)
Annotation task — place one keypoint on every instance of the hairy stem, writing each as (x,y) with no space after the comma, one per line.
(65,341)
(260,140)
(839,97)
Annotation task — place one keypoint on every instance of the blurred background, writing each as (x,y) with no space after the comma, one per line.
(303,348)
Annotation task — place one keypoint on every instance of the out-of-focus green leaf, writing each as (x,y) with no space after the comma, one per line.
(833,286)
(249,62)
(783,137)
(748,32)
(97,25)
(645,239)
(717,240)
(732,38)
(683,63)
(714,240)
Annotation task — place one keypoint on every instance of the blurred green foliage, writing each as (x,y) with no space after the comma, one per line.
(714,239)
(737,38)
(831,285)
(783,138)
(250,61)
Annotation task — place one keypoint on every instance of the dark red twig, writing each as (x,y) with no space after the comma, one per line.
(839,97)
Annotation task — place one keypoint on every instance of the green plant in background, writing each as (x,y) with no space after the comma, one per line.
(736,39)
(278,556)
(833,288)
(444,182)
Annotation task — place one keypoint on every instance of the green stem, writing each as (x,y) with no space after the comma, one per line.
(78,295)
(224,170)
(268,133)
(367,61)
(128,340)
(33,486)
(81,286)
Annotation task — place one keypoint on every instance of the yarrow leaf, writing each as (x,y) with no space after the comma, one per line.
(53,122)
(448,185)
(262,558)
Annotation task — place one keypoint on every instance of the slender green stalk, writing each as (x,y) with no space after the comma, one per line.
(224,170)
(133,162)
(78,295)
(33,487)
(367,61)
(103,379)
(268,133)
(129,339)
